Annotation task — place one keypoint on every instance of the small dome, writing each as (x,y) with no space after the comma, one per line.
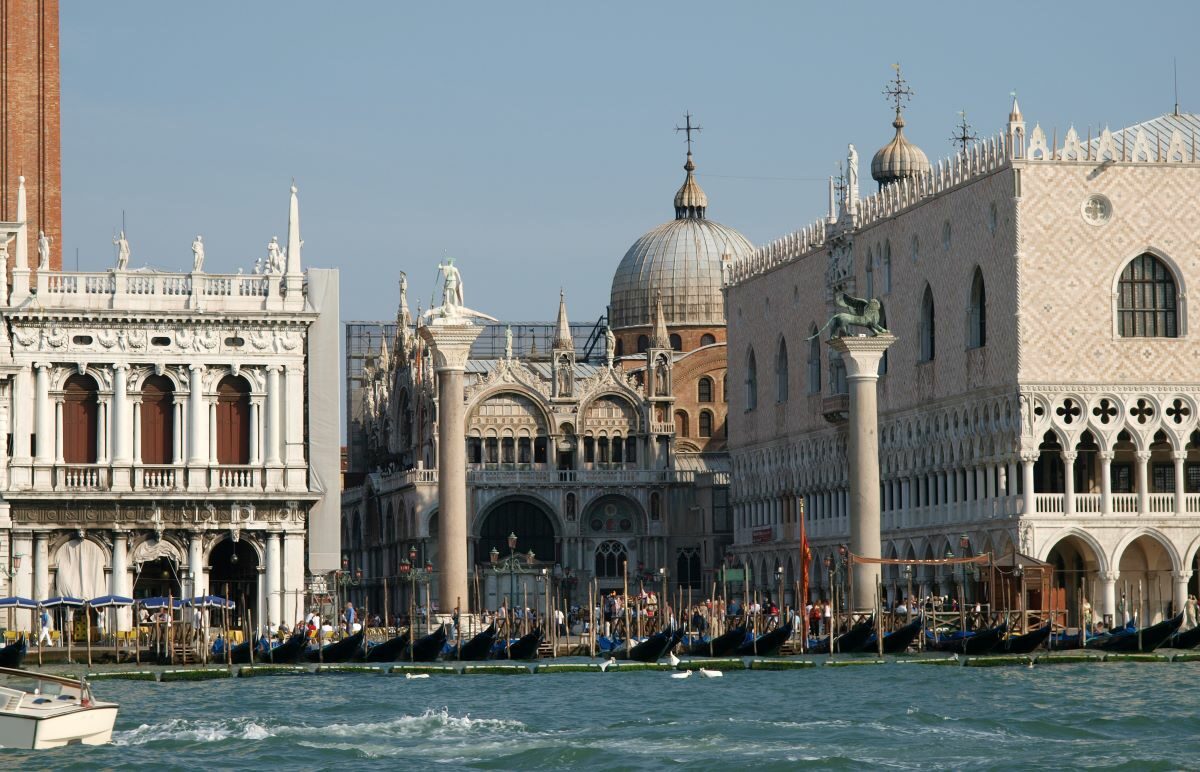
(899,158)
(690,200)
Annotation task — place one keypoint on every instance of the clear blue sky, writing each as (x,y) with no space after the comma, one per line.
(533,141)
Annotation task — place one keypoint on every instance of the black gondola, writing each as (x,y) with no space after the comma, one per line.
(897,641)
(721,646)
(1131,642)
(287,652)
(339,651)
(427,648)
(1184,639)
(767,644)
(1023,644)
(525,647)
(652,649)
(971,643)
(12,654)
(479,646)
(853,641)
(240,654)
(388,651)
(675,639)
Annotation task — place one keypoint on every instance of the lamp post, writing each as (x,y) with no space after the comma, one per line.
(779,587)
(909,601)
(345,578)
(9,573)
(1019,573)
(964,544)
(412,573)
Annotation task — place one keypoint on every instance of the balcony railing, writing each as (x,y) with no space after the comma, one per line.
(618,476)
(140,478)
(159,478)
(81,477)
(122,289)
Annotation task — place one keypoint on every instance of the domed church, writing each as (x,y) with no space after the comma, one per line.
(598,446)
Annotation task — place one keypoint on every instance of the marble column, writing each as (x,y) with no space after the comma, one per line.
(197,418)
(212,434)
(195,564)
(22,547)
(255,446)
(43,417)
(121,433)
(1179,457)
(272,573)
(1068,459)
(137,431)
(1028,459)
(450,339)
(58,431)
(1106,457)
(1108,595)
(41,565)
(272,408)
(292,609)
(861,356)
(119,580)
(1143,481)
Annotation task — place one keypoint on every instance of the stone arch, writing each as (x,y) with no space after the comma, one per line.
(622,507)
(531,518)
(1177,275)
(1153,533)
(1100,554)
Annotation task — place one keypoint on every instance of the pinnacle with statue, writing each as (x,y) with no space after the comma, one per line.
(860,312)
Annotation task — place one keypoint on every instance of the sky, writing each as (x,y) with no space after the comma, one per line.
(534,142)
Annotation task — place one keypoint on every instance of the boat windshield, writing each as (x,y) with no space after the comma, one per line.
(31,683)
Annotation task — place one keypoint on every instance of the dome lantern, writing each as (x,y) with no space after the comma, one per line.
(899,158)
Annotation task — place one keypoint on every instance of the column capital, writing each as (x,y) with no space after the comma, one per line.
(1110,576)
(274,367)
(43,365)
(197,368)
(1107,455)
(1070,455)
(1181,576)
(1179,455)
(1030,456)
(1142,455)
(120,366)
(861,354)
(41,535)
(450,343)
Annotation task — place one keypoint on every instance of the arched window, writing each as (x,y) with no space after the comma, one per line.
(704,390)
(928,333)
(814,362)
(233,420)
(837,374)
(751,381)
(725,387)
(887,267)
(681,423)
(643,344)
(1147,300)
(158,420)
(870,267)
(705,423)
(610,560)
(620,348)
(81,410)
(977,313)
(676,342)
(707,340)
(781,372)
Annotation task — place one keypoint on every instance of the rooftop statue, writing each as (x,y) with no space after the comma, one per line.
(860,312)
(122,245)
(452,287)
(198,255)
(43,247)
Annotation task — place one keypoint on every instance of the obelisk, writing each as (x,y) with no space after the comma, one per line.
(861,355)
(450,330)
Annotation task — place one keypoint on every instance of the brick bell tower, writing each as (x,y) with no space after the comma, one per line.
(29,118)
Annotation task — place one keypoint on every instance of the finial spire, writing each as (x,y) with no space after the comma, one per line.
(898,93)
(688,128)
(294,242)
(562,336)
(964,133)
(21,258)
(660,338)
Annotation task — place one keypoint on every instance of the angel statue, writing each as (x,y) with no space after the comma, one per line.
(452,288)
(860,312)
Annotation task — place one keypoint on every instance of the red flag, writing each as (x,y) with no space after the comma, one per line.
(805,559)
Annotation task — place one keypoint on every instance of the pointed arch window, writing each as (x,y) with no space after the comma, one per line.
(977,313)
(781,372)
(1147,300)
(928,332)
(814,362)
(751,381)
(610,560)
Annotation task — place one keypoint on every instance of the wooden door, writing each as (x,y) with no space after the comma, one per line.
(158,421)
(80,420)
(233,421)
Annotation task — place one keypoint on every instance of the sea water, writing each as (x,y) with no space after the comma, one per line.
(893,716)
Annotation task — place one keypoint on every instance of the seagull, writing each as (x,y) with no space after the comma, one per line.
(672,659)
(711,673)
(604,665)
(682,674)
(416,675)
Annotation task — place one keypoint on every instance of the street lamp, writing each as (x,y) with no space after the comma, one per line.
(9,573)
(908,581)
(411,573)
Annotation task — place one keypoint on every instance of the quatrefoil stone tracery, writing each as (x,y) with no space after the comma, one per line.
(1105,411)
(1143,411)
(1178,411)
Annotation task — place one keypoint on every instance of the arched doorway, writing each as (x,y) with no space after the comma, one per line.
(157,578)
(1076,576)
(80,420)
(233,420)
(158,420)
(531,523)
(1145,581)
(233,573)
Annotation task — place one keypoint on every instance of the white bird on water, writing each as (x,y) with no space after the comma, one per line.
(604,665)
(711,673)
(416,675)
(671,658)
(682,674)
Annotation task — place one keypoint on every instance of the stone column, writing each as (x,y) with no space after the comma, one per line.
(1179,590)
(1028,459)
(58,431)
(1180,456)
(272,409)
(196,563)
(137,431)
(118,581)
(197,418)
(255,446)
(212,434)
(1068,459)
(41,565)
(43,418)
(861,356)
(120,416)
(22,542)
(292,609)
(1143,481)
(1106,457)
(1108,594)
(451,340)
(272,574)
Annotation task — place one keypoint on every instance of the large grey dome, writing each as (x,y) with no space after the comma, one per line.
(682,260)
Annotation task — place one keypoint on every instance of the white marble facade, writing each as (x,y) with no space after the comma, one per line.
(156,428)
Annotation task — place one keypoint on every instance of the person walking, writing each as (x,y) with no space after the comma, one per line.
(44,618)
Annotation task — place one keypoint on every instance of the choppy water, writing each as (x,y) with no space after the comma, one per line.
(1110,716)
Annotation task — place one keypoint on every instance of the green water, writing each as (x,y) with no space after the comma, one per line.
(1108,716)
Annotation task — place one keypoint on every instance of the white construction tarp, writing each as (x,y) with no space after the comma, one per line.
(80,570)
(324,422)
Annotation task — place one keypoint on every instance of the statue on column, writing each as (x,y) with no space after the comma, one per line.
(564,376)
(122,245)
(198,255)
(452,286)
(860,312)
(43,248)
(610,345)
(508,342)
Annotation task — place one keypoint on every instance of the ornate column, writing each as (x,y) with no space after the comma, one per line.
(1068,459)
(1179,590)
(196,563)
(119,580)
(22,544)
(450,339)
(1143,481)
(1106,457)
(137,431)
(273,428)
(1179,457)
(272,572)
(197,417)
(1028,459)
(41,565)
(861,356)
(212,434)
(255,445)
(58,431)
(120,416)
(1108,595)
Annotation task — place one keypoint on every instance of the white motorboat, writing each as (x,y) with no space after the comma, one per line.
(48,711)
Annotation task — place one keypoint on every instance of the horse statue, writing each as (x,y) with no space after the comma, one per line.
(860,312)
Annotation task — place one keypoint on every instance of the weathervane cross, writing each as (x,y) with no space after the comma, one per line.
(898,91)
(689,128)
